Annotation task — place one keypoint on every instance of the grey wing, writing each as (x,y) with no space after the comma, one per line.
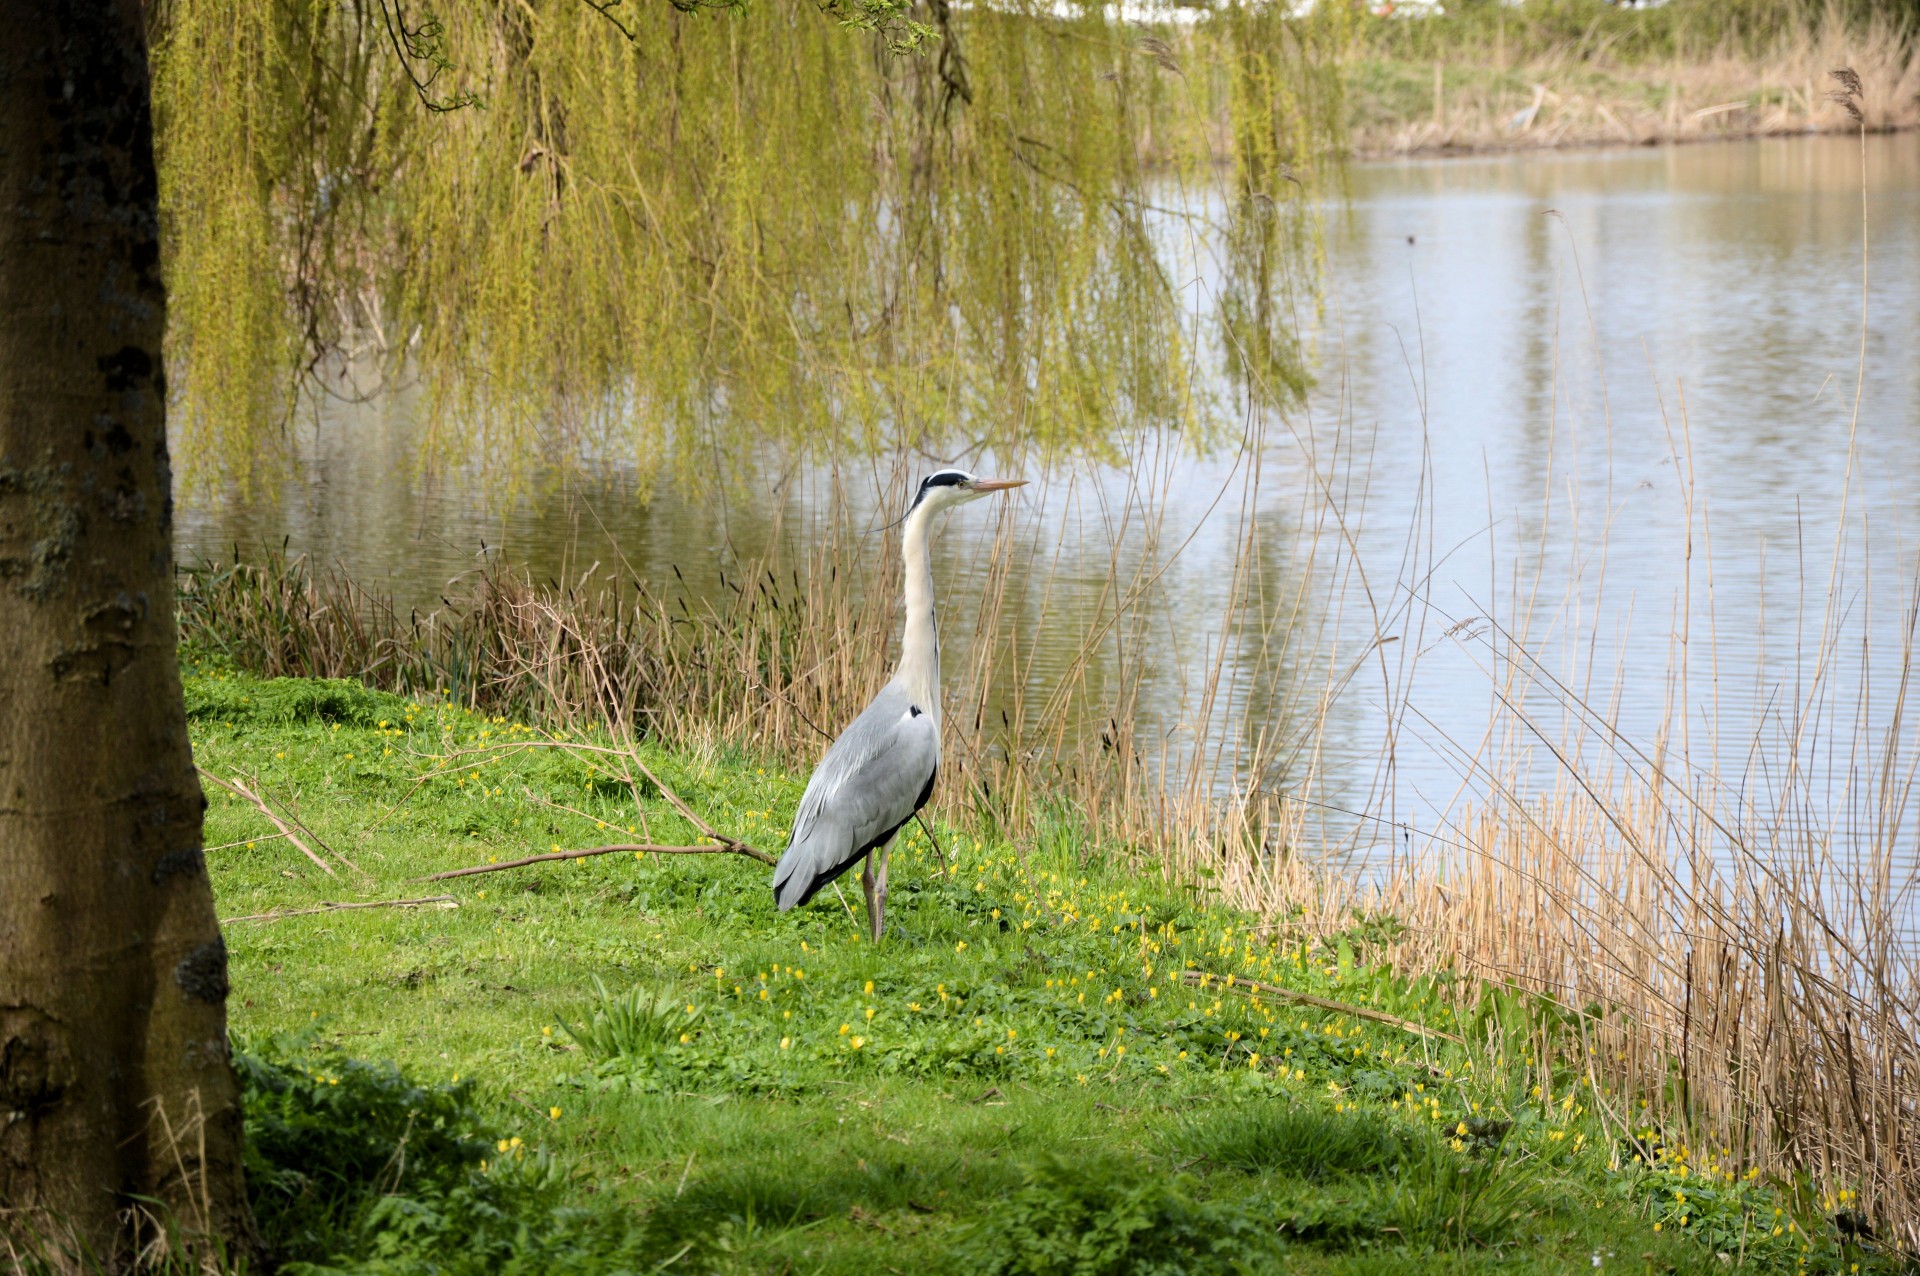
(872,780)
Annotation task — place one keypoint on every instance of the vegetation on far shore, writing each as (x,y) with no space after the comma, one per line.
(1051,1064)
(1485,75)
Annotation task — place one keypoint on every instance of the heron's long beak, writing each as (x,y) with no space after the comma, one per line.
(997,485)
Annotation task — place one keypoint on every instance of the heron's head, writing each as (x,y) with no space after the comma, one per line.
(944,488)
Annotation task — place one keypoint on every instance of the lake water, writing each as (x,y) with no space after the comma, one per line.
(1610,403)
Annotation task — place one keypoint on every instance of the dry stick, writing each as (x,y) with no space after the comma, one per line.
(631,848)
(928,830)
(293,813)
(1253,987)
(847,906)
(631,754)
(419,781)
(537,800)
(334,908)
(245,841)
(236,788)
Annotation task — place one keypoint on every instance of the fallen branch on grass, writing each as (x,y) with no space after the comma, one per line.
(245,841)
(334,908)
(727,847)
(235,787)
(1252,987)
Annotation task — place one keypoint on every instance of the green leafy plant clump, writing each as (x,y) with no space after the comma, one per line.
(353,1166)
(1095,1218)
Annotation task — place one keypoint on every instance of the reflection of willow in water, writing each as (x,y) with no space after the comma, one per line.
(727,227)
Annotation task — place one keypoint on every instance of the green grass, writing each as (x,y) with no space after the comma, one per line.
(628,1065)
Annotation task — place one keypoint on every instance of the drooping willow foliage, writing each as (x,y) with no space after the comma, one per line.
(676,235)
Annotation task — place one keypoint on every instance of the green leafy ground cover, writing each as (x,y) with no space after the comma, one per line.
(627,1064)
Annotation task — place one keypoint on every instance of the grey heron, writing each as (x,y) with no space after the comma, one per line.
(880,771)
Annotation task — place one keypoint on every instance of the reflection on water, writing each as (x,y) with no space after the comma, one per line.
(1538,372)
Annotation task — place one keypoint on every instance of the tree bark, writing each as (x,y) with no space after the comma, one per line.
(115,1079)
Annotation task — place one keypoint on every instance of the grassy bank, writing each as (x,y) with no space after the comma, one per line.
(1491,76)
(633,1063)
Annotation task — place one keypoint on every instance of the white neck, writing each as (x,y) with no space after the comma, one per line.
(919,668)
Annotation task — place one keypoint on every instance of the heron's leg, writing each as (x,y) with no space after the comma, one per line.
(867,884)
(877,896)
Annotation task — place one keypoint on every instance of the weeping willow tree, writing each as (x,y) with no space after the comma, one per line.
(667,234)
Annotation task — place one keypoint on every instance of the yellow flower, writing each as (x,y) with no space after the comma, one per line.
(553,1114)
(785,1042)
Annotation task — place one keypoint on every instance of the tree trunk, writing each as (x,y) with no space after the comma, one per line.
(115,1080)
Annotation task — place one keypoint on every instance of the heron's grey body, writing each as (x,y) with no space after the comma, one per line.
(881,769)
(876,775)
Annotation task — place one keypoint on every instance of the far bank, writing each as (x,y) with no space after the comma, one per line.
(1493,77)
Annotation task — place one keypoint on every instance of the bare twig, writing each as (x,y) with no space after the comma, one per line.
(537,800)
(630,756)
(847,906)
(632,848)
(928,830)
(245,841)
(1254,988)
(419,782)
(292,812)
(334,908)
(235,787)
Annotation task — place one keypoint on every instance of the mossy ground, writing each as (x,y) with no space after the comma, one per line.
(636,1064)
